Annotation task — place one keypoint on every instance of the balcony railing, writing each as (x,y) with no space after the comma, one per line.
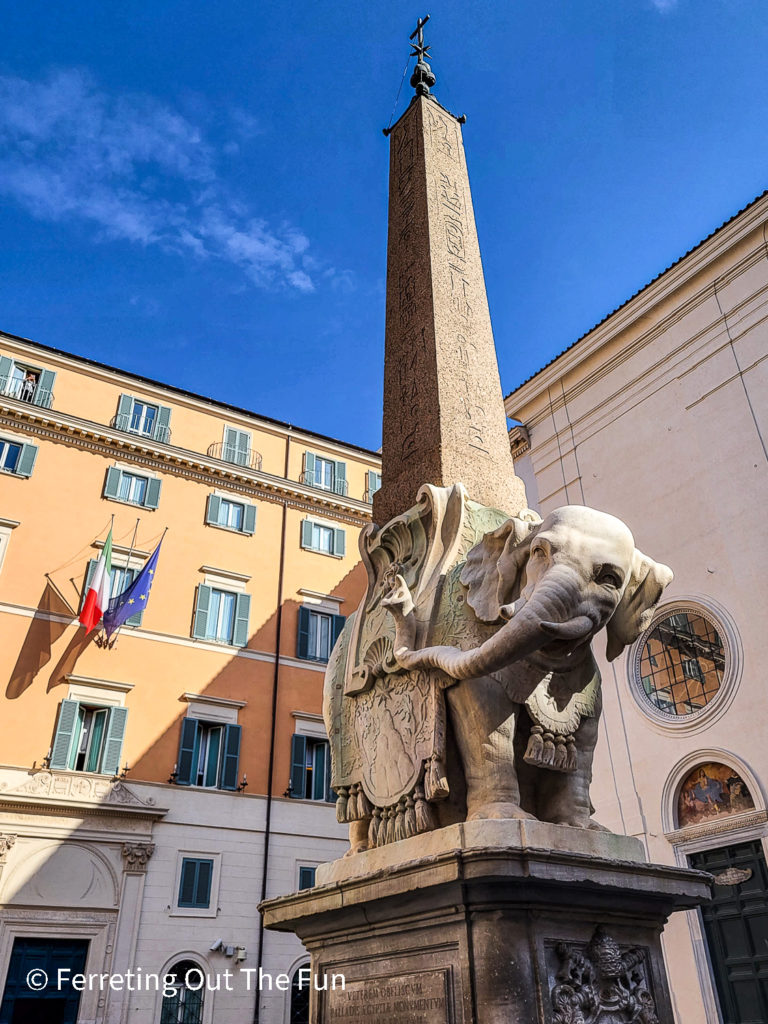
(229,453)
(26,391)
(155,433)
(339,486)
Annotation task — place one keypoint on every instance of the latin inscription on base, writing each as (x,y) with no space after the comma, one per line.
(402,999)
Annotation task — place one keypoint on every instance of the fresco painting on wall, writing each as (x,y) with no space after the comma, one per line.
(712,790)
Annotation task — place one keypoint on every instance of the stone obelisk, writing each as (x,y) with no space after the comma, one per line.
(444,420)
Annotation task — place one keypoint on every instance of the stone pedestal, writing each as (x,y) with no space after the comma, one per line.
(491,922)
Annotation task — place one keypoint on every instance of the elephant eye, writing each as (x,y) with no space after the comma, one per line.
(608,577)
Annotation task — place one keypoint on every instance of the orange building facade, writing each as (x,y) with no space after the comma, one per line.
(151,779)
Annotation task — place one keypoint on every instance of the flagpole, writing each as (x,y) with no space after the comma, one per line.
(112,642)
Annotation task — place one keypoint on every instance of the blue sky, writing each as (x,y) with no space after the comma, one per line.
(197,192)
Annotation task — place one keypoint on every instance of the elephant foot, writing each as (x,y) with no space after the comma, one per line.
(596,826)
(499,810)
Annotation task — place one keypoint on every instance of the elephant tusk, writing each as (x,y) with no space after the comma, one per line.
(574,629)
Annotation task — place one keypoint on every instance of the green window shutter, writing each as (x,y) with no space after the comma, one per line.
(340,478)
(88,577)
(203,888)
(337,626)
(212,510)
(306,534)
(302,645)
(113,744)
(188,882)
(231,757)
(124,412)
(237,446)
(112,482)
(5,372)
(44,389)
(339,543)
(242,613)
(374,483)
(162,431)
(185,765)
(309,468)
(318,772)
(152,497)
(229,450)
(26,462)
(195,882)
(65,730)
(249,519)
(298,766)
(200,619)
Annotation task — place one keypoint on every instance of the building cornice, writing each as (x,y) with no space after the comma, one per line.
(108,441)
(644,302)
(73,794)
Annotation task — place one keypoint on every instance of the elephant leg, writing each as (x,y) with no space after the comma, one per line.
(358,836)
(563,798)
(484,721)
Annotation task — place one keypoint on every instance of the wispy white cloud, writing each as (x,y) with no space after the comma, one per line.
(665,6)
(137,171)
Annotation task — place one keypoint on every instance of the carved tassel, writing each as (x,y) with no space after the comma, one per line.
(561,755)
(572,762)
(548,754)
(391,825)
(435,782)
(352,803)
(410,817)
(535,749)
(381,838)
(363,804)
(341,804)
(424,819)
(373,828)
(400,822)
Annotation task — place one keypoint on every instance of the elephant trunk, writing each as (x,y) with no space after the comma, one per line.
(548,616)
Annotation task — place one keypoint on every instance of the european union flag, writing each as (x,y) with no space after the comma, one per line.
(133,599)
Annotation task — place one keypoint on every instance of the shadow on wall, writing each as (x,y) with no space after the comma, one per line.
(53,616)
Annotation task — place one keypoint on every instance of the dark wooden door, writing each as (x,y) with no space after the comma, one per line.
(736,927)
(52,1004)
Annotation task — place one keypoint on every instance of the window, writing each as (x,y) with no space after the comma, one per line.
(237,446)
(681,663)
(328,474)
(310,769)
(328,540)
(88,738)
(221,615)
(373,485)
(27,383)
(122,578)
(209,754)
(231,515)
(139,417)
(300,989)
(17,458)
(184,1005)
(318,632)
(195,884)
(132,488)
(306,877)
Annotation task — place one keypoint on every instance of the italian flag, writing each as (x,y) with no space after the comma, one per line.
(97,598)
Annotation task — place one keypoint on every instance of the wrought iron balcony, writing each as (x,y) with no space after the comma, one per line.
(156,431)
(27,390)
(229,453)
(338,487)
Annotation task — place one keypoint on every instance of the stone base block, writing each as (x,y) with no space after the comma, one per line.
(491,922)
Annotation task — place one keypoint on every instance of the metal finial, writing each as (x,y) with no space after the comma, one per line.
(423,77)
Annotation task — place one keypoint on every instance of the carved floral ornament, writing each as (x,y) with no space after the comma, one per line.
(136,855)
(6,842)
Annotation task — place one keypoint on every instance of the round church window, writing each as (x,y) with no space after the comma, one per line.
(681,663)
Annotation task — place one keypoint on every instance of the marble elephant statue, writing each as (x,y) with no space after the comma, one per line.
(524,703)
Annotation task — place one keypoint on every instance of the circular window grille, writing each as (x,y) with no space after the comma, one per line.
(681,664)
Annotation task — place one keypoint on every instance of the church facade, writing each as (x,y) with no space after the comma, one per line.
(659,415)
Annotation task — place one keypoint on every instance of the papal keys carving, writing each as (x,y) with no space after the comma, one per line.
(465,686)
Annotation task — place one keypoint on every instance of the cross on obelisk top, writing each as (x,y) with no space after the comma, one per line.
(419,49)
(423,77)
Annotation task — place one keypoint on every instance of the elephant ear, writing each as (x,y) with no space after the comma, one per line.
(647,580)
(493,566)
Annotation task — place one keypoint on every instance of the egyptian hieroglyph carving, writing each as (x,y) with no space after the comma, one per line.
(465,686)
